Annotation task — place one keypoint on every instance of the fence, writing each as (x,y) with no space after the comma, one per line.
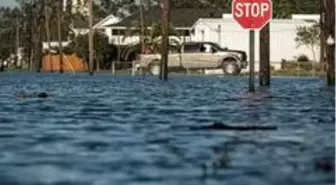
(288,68)
(134,68)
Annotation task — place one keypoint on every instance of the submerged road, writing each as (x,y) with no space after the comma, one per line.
(104,130)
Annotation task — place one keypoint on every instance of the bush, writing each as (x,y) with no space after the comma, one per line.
(303,58)
(103,51)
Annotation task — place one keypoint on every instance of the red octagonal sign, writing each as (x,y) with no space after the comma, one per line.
(252,14)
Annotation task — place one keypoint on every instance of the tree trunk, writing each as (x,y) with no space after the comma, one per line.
(142,32)
(35,45)
(322,39)
(47,20)
(59,34)
(165,39)
(40,38)
(264,66)
(329,30)
(17,43)
(90,38)
(314,60)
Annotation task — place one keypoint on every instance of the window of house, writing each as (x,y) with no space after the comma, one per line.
(118,32)
(186,33)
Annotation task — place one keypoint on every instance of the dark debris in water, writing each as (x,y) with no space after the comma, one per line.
(324,164)
(221,126)
(32,95)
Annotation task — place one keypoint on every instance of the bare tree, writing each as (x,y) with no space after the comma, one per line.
(59,33)
(90,38)
(47,24)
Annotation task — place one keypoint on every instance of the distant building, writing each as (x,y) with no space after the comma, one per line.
(81,24)
(183,19)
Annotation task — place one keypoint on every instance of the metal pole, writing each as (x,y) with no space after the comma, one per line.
(165,39)
(113,68)
(133,68)
(251,84)
(90,38)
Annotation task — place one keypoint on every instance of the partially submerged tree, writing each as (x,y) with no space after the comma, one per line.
(309,36)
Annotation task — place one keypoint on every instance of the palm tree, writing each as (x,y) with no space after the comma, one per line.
(152,39)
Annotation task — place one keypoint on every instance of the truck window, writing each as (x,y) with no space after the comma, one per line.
(191,48)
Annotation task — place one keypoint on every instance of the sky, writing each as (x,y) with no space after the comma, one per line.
(7,2)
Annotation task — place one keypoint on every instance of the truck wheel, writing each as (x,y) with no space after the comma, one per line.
(154,68)
(231,68)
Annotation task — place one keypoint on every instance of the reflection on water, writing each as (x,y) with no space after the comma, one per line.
(135,130)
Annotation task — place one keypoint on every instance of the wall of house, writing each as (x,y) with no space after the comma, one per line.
(125,40)
(228,33)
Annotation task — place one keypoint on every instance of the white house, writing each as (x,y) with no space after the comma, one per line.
(216,26)
(228,33)
(182,18)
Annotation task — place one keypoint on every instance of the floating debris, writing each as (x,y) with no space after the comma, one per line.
(324,165)
(32,95)
(221,126)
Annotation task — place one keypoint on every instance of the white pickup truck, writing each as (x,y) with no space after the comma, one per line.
(198,55)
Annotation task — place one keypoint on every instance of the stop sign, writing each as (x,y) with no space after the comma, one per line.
(252,14)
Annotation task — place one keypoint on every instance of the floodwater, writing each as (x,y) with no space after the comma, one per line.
(105,130)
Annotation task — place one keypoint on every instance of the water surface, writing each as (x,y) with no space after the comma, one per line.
(105,130)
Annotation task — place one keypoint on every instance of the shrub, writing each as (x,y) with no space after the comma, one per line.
(303,58)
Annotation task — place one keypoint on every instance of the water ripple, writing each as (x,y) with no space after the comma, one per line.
(103,130)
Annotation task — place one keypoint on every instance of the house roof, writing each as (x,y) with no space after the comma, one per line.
(180,17)
(111,19)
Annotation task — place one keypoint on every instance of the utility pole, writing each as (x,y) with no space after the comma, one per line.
(264,67)
(329,34)
(142,31)
(90,38)
(59,33)
(165,39)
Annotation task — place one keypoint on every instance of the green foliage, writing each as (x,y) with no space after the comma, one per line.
(9,18)
(152,39)
(308,36)
(303,58)
(103,51)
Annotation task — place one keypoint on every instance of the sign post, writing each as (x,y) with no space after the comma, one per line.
(252,15)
